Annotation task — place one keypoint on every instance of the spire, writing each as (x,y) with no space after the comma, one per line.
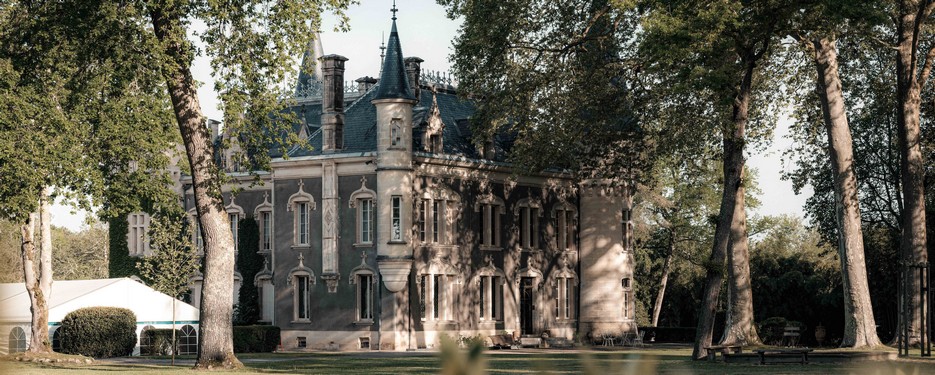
(394,83)
(309,83)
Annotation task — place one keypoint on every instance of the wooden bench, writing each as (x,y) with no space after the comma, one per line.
(724,349)
(790,335)
(802,354)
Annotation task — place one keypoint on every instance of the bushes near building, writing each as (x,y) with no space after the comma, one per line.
(256,339)
(99,332)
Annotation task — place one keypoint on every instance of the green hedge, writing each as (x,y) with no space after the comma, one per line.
(256,339)
(99,332)
(159,341)
(249,263)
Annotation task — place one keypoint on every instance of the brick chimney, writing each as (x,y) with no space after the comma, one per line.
(413,70)
(365,83)
(332,103)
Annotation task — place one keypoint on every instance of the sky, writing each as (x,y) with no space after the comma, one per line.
(426,32)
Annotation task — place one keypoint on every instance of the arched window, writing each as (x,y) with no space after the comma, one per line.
(565,217)
(436,287)
(491,208)
(264,216)
(364,277)
(301,204)
(528,211)
(564,285)
(301,278)
(264,285)
(147,338)
(234,213)
(364,201)
(490,281)
(57,339)
(18,341)
(438,212)
(188,340)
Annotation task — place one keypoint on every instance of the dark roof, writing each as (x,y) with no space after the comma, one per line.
(394,84)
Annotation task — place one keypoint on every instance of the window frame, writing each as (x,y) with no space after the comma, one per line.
(490,208)
(301,204)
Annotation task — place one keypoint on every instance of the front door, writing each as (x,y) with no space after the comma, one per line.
(526,306)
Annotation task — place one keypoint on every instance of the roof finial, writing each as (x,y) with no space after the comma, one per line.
(394,10)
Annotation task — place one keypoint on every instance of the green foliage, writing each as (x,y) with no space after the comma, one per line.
(462,362)
(256,339)
(250,263)
(160,341)
(797,276)
(99,332)
(80,255)
(121,264)
(11,259)
(553,74)
(173,260)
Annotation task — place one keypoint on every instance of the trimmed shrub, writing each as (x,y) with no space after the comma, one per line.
(99,332)
(256,339)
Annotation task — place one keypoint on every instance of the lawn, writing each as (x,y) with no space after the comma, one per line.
(647,361)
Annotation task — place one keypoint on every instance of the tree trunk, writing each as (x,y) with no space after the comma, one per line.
(740,327)
(859,323)
(38,286)
(215,339)
(912,16)
(666,266)
(733,171)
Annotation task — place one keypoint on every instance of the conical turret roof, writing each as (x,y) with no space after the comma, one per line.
(394,83)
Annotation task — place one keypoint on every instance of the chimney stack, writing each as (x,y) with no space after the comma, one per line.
(413,70)
(365,83)
(332,103)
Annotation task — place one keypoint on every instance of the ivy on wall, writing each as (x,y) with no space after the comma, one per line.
(249,263)
(120,264)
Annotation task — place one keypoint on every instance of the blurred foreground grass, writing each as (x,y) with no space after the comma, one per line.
(630,361)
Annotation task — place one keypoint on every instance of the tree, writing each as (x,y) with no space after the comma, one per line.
(860,327)
(912,73)
(719,50)
(65,107)
(80,255)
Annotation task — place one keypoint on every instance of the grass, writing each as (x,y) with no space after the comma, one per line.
(647,361)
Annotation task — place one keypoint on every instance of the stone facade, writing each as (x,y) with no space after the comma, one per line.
(394,229)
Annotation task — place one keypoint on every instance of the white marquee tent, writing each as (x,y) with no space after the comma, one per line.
(152,309)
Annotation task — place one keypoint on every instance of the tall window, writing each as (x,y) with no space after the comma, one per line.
(301,297)
(365,221)
(564,215)
(302,224)
(435,291)
(365,297)
(137,236)
(266,231)
(199,239)
(627,291)
(433,221)
(301,204)
(627,227)
(564,292)
(491,298)
(529,223)
(235,220)
(396,218)
(489,207)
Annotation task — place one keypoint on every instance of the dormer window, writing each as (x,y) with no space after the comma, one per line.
(435,143)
